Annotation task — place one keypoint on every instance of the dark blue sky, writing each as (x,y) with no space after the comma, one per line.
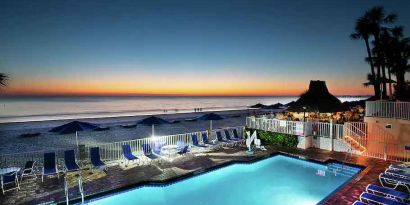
(270,46)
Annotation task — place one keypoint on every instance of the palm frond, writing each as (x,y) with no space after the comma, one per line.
(3,79)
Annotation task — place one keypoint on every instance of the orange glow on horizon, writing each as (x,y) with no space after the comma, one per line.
(173,86)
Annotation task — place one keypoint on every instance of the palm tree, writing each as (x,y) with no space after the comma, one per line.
(363,30)
(379,20)
(3,79)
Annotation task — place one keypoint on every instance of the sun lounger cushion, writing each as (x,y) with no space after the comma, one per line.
(69,160)
(378,199)
(387,191)
(394,178)
(397,173)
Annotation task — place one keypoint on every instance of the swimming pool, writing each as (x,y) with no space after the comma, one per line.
(276,180)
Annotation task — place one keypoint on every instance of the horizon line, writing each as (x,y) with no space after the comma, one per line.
(154,95)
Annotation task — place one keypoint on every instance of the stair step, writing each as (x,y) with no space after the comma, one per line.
(347,171)
(338,173)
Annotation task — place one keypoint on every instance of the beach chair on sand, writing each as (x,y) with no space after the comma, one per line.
(28,170)
(96,159)
(7,180)
(387,192)
(386,179)
(70,163)
(128,156)
(375,199)
(50,165)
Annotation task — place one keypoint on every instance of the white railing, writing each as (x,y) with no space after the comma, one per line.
(296,127)
(369,139)
(398,110)
(108,151)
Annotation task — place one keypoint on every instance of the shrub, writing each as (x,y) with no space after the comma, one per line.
(278,139)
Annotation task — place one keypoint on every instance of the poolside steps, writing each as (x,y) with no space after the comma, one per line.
(354,144)
(341,169)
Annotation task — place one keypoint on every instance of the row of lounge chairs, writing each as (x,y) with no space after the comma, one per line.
(387,194)
(50,166)
(155,152)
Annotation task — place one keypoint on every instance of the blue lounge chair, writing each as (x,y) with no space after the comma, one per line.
(9,178)
(398,173)
(146,148)
(211,145)
(181,145)
(375,199)
(390,193)
(221,140)
(236,135)
(96,159)
(184,150)
(50,165)
(195,141)
(394,181)
(157,149)
(126,149)
(28,170)
(399,167)
(70,162)
(359,203)
(229,138)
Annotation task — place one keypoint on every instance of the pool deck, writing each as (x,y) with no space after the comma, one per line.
(33,191)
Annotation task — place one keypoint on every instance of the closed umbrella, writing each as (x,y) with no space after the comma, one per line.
(74,127)
(152,121)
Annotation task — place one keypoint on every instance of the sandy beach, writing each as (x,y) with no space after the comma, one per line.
(12,142)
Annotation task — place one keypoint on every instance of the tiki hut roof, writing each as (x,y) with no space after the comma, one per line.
(316,99)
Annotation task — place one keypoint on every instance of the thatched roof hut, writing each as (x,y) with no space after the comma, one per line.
(316,99)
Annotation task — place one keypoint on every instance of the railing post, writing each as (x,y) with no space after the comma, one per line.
(385,152)
(331,135)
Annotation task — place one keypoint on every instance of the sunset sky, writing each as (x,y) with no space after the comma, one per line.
(184,47)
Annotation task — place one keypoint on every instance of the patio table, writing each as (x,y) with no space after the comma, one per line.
(170,149)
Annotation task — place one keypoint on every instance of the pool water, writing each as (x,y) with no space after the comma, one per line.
(275,180)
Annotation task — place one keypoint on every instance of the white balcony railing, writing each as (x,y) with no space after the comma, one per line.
(296,127)
(398,110)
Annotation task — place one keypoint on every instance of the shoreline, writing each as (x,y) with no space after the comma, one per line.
(115,114)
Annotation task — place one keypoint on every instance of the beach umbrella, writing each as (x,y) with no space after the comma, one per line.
(74,127)
(152,121)
(210,117)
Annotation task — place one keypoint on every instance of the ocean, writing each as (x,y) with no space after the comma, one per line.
(23,109)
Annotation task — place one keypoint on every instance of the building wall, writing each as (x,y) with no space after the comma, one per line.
(399,131)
